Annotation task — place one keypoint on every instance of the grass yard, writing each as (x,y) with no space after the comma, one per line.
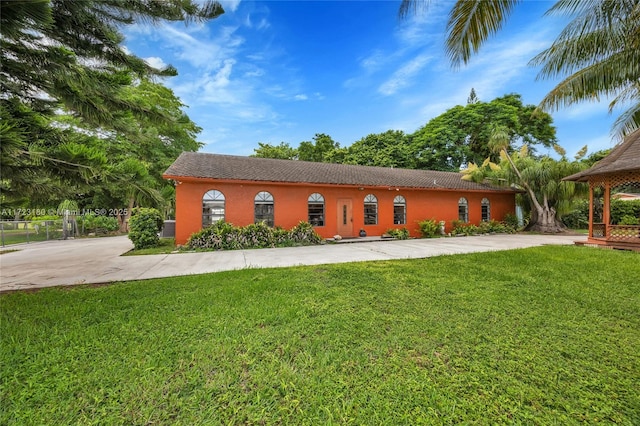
(549,335)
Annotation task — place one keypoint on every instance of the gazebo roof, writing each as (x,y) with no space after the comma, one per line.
(625,157)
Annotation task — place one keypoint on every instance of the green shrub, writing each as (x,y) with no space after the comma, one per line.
(144,226)
(629,220)
(303,233)
(622,208)
(579,217)
(493,226)
(429,228)
(224,236)
(399,233)
(464,228)
(511,220)
(92,223)
(40,220)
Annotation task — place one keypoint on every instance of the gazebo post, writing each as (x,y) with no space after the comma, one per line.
(606,213)
(591,184)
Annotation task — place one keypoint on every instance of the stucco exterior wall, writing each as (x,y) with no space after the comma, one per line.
(290,205)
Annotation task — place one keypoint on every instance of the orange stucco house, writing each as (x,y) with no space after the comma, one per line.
(336,198)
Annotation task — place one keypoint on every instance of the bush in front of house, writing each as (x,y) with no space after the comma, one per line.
(399,233)
(303,233)
(487,227)
(429,228)
(224,236)
(144,226)
(511,220)
(495,227)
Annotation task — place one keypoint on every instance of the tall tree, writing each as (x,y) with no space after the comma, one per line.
(317,150)
(462,134)
(283,151)
(473,98)
(133,177)
(66,56)
(596,53)
(388,149)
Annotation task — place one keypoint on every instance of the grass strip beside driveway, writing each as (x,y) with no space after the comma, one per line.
(538,336)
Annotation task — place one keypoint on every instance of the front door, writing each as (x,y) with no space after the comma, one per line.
(345,218)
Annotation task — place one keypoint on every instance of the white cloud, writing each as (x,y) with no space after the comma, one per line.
(230,5)
(403,77)
(374,61)
(301,97)
(201,52)
(424,26)
(155,62)
(584,109)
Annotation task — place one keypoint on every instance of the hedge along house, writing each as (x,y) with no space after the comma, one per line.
(336,198)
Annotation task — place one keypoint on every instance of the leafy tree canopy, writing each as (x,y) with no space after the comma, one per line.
(461,134)
(283,151)
(388,149)
(68,86)
(318,149)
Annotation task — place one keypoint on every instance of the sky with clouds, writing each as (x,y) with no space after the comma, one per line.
(282,71)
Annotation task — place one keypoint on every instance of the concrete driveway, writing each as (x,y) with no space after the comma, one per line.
(99,260)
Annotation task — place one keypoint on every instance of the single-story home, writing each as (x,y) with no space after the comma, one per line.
(338,199)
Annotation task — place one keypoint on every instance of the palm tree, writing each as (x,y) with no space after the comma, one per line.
(597,52)
(548,197)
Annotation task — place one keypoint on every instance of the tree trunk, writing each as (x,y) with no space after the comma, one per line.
(543,219)
(123,220)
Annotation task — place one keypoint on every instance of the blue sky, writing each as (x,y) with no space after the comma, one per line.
(282,71)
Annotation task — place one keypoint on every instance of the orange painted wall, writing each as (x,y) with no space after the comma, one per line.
(290,205)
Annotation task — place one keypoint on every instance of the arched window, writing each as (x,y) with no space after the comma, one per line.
(263,208)
(486,210)
(463,210)
(370,210)
(399,210)
(212,207)
(316,209)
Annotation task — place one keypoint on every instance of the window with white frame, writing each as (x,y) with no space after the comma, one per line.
(399,210)
(463,210)
(486,210)
(263,208)
(370,210)
(315,206)
(212,207)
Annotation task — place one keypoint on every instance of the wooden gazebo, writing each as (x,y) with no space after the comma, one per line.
(619,170)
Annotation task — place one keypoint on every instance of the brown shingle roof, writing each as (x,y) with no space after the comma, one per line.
(229,167)
(624,158)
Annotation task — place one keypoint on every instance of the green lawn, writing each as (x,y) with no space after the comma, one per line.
(19,236)
(548,335)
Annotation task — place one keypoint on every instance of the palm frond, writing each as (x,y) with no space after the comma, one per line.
(471,22)
(408,7)
(602,79)
(627,122)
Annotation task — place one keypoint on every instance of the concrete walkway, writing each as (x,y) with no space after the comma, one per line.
(98,260)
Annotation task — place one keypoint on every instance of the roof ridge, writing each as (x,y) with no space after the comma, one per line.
(316,163)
